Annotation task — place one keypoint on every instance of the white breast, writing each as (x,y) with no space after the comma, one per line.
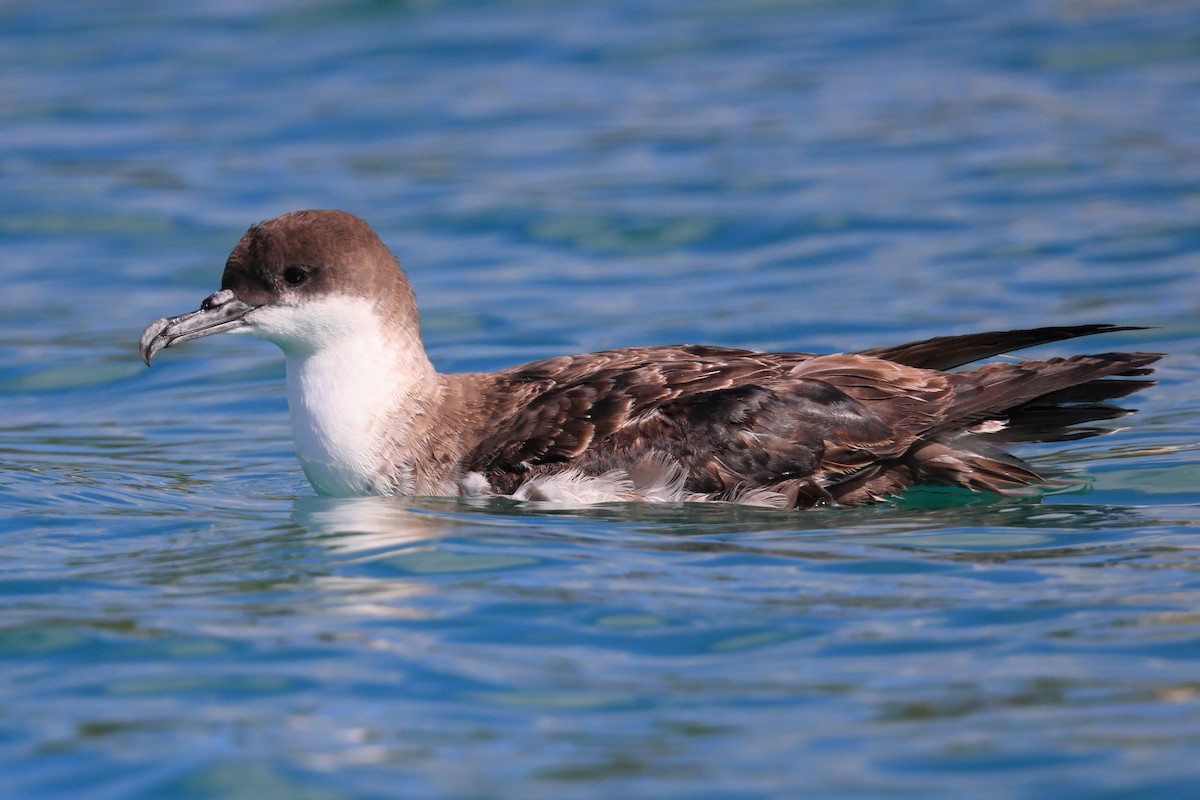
(337,422)
(350,383)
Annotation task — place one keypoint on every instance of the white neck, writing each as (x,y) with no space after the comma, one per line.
(354,389)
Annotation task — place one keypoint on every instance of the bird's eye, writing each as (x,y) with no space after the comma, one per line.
(295,275)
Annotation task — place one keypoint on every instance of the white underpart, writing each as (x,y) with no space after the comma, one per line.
(989,426)
(653,478)
(575,488)
(474,484)
(659,478)
(347,382)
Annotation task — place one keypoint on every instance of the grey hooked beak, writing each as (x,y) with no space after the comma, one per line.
(220,312)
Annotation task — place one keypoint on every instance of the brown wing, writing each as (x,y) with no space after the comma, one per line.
(812,429)
(554,410)
(733,419)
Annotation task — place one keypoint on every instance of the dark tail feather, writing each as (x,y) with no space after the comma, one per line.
(1033,401)
(1005,392)
(1063,415)
(1097,391)
(1055,423)
(948,352)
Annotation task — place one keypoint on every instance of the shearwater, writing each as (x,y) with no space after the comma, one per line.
(370,414)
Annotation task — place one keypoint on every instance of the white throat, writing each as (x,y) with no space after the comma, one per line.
(354,386)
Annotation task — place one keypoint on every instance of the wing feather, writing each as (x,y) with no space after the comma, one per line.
(798,428)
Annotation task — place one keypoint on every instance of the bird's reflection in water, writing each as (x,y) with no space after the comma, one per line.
(367,524)
(360,538)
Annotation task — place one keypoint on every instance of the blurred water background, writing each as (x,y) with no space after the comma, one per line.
(181,618)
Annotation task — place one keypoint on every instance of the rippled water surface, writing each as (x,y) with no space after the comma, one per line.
(181,618)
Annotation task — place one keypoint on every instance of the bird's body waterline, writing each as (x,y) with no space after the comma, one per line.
(371,415)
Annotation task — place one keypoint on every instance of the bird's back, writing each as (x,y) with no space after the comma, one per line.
(788,429)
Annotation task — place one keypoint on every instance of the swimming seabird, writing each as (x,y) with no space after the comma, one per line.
(370,415)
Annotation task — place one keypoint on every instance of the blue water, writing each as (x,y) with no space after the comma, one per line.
(181,618)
